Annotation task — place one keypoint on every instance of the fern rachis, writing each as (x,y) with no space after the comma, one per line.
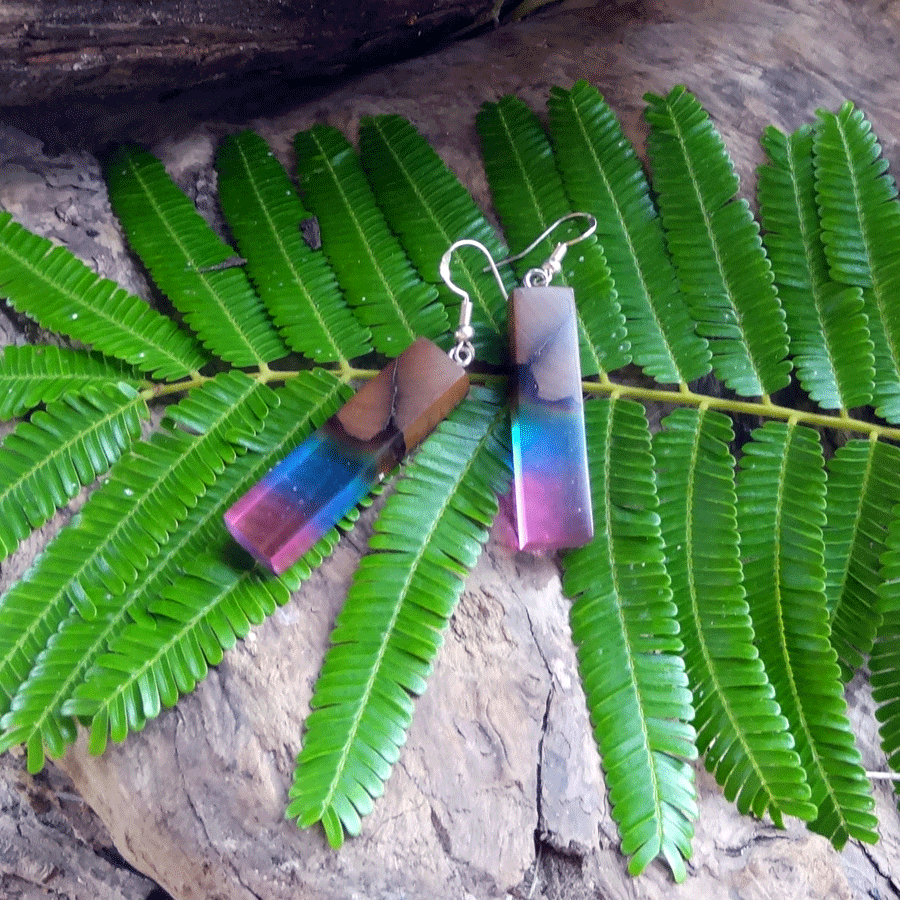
(710,579)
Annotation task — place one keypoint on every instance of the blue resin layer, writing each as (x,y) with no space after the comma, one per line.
(551,479)
(309,492)
(551,486)
(296,503)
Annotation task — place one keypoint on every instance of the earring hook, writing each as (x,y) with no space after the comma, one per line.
(463,352)
(592,227)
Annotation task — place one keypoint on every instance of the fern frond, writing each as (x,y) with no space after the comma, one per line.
(32,375)
(529,196)
(57,290)
(829,337)
(862,492)
(46,460)
(297,285)
(715,245)
(740,728)
(110,690)
(781,514)
(884,661)
(708,613)
(181,252)
(603,176)
(378,280)
(429,209)
(861,230)
(625,628)
(153,662)
(430,533)
(90,566)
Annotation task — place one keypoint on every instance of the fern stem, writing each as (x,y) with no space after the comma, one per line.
(264,375)
(764,408)
(347,373)
(167,389)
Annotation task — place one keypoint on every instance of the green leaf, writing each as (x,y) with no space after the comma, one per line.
(862,492)
(85,573)
(781,514)
(529,196)
(182,254)
(430,533)
(380,283)
(429,210)
(57,290)
(625,629)
(715,245)
(32,375)
(298,286)
(154,661)
(740,729)
(45,461)
(885,659)
(735,609)
(829,337)
(860,229)
(110,685)
(603,176)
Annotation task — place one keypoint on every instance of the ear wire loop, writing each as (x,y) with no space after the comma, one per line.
(542,275)
(463,352)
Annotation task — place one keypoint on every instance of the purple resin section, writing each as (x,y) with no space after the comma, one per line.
(284,514)
(307,494)
(551,485)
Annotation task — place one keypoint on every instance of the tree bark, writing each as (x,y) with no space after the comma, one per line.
(500,755)
(100,48)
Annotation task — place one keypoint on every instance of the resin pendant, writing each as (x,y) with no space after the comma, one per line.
(308,492)
(551,486)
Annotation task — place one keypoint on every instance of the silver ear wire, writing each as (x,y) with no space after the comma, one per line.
(592,227)
(463,352)
(543,275)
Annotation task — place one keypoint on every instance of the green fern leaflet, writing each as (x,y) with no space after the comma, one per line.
(731,589)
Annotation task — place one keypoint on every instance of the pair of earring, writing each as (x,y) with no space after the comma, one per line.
(307,493)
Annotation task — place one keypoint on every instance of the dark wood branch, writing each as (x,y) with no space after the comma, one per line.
(97,48)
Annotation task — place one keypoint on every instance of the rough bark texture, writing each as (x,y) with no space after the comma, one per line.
(53,845)
(498,792)
(99,48)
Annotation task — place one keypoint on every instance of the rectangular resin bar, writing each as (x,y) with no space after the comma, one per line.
(308,492)
(551,486)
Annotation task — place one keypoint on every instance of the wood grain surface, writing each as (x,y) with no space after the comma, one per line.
(498,792)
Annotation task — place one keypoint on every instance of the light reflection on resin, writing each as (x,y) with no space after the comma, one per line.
(550,492)
(296,503)
(552,497)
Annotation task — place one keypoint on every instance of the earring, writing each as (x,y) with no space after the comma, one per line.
(551,485)
(285,513)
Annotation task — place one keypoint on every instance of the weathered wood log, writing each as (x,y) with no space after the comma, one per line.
(51,843)
(500,754)
(99,48)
